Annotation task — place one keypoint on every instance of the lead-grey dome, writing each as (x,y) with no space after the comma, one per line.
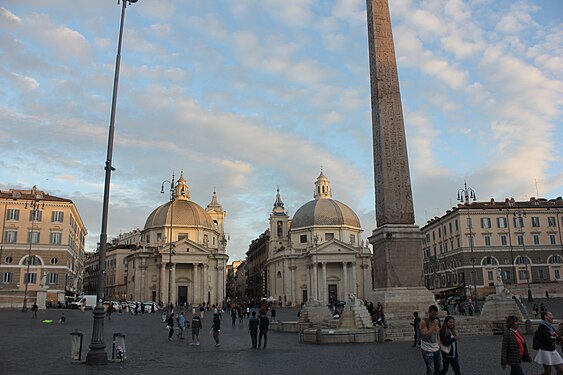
(185,213)
(325,212)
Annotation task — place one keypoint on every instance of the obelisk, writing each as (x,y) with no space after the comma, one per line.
(397,241)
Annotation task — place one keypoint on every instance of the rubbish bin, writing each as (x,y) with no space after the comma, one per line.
(119,352)
(76,346)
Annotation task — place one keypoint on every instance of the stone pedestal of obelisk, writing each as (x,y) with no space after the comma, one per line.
(397,241)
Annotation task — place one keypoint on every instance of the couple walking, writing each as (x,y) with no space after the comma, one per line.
(255,324)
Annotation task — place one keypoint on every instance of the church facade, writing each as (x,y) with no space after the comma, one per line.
(182,257)
(319,253)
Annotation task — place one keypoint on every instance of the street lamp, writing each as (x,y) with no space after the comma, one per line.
(34,205)
(171,245)
(520,215)
(97,354)
(465,195)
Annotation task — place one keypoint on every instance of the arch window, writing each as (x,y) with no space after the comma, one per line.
(522,260)
(489,261)
(555,259)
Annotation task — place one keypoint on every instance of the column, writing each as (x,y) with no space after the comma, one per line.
(324,287)
(354,290)
(292,290)
(366,279)
(205,282)
(316,280)
(345,279)
(309,273)
(143,279)
(173,292)
(197,291)
(162,286)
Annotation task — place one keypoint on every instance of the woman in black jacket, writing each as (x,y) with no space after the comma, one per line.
(544,340)
(448,340)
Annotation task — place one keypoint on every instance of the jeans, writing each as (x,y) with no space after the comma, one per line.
(254,337)
(433,361)
(263,333)
(454,362)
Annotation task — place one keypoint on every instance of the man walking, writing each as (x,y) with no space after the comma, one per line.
(264,323)
(181,325)
(34,308)
(430,329)
(253,329)
(196,326)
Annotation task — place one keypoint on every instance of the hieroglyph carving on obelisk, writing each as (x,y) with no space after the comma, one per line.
(393,195)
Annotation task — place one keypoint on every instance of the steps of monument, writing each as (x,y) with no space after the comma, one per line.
(466,326)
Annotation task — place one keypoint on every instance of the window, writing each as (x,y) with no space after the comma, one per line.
(439,232)
(470,239)
(450,225)
(303,238)
(35,215)
(57,216)
(8,260)
(458,242)
(13,214)
(518,222)
(541,274)
(456,226)
(34,261)
(330,236)
(206,240)
(33,237)
(520,239)
(446,246)
(54,261)
(7,277)
(503,240)
(433,236)
(469,223)
(552,239)
(523,274)
(181,236)
(485,222)
(158,237)
(536,239)
(501,222)
(557,274)
(490,261)
(52,278)
(352,239)
(490,275)
(452,244)
(487,240)
(280,228)
(10,236)
(522,260)
(56,238)
(535,221)
(555,259)
(30,278)
(551,221)
(507,275)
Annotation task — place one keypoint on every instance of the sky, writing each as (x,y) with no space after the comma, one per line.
(243,96)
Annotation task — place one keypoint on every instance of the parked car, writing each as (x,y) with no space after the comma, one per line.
(149,306)
(116,305)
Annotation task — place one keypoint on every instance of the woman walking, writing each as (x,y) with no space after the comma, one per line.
(545,339)
(514,350)
(448,339)
(216,327)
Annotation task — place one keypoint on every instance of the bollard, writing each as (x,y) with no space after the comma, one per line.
(76,346)
(528,324)
(119,352)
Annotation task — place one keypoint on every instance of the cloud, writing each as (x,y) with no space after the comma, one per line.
(25,83)
(8,18)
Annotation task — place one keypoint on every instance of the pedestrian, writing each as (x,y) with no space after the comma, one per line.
(546,294)
(109,311)
(234,316)
(34,308)
(253,324)
(62,320)
(201,310)
(448,345)
(142,308)
(170,326)
(431,353)
(196,326)
(416,326)
(543,309)
(181,320)
(536,310)
(264,324)
(514,350)
(273,313)
(216,328)
(544,342)
(136,308)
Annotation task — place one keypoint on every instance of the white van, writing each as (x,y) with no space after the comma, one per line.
(87,300)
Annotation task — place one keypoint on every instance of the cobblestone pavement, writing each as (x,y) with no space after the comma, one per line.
(28,346)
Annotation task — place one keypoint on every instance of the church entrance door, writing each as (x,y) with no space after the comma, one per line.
(182,295)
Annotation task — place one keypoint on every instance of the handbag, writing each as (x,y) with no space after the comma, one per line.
(446,348)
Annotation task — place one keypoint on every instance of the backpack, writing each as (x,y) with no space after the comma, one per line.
(536,341)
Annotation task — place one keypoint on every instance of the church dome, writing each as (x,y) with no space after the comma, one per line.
(325,211)
(185,213)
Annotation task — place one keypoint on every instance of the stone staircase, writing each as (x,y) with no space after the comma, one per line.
(355,317)
(401,330)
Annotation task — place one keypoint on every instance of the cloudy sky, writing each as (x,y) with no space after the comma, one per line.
(246,95)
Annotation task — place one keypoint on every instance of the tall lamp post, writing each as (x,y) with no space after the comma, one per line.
(465,196)
(34,205)
(520,216)
(170,241)
(97,354)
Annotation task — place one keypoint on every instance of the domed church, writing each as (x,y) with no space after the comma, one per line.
(319,253)
(198,257)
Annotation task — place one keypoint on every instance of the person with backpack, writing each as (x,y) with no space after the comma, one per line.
(448,345)
(544,342)
(514,350)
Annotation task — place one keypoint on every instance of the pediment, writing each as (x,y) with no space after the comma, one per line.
(334,247)
(186,247)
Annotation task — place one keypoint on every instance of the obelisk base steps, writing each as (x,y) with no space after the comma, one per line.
(400,303)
